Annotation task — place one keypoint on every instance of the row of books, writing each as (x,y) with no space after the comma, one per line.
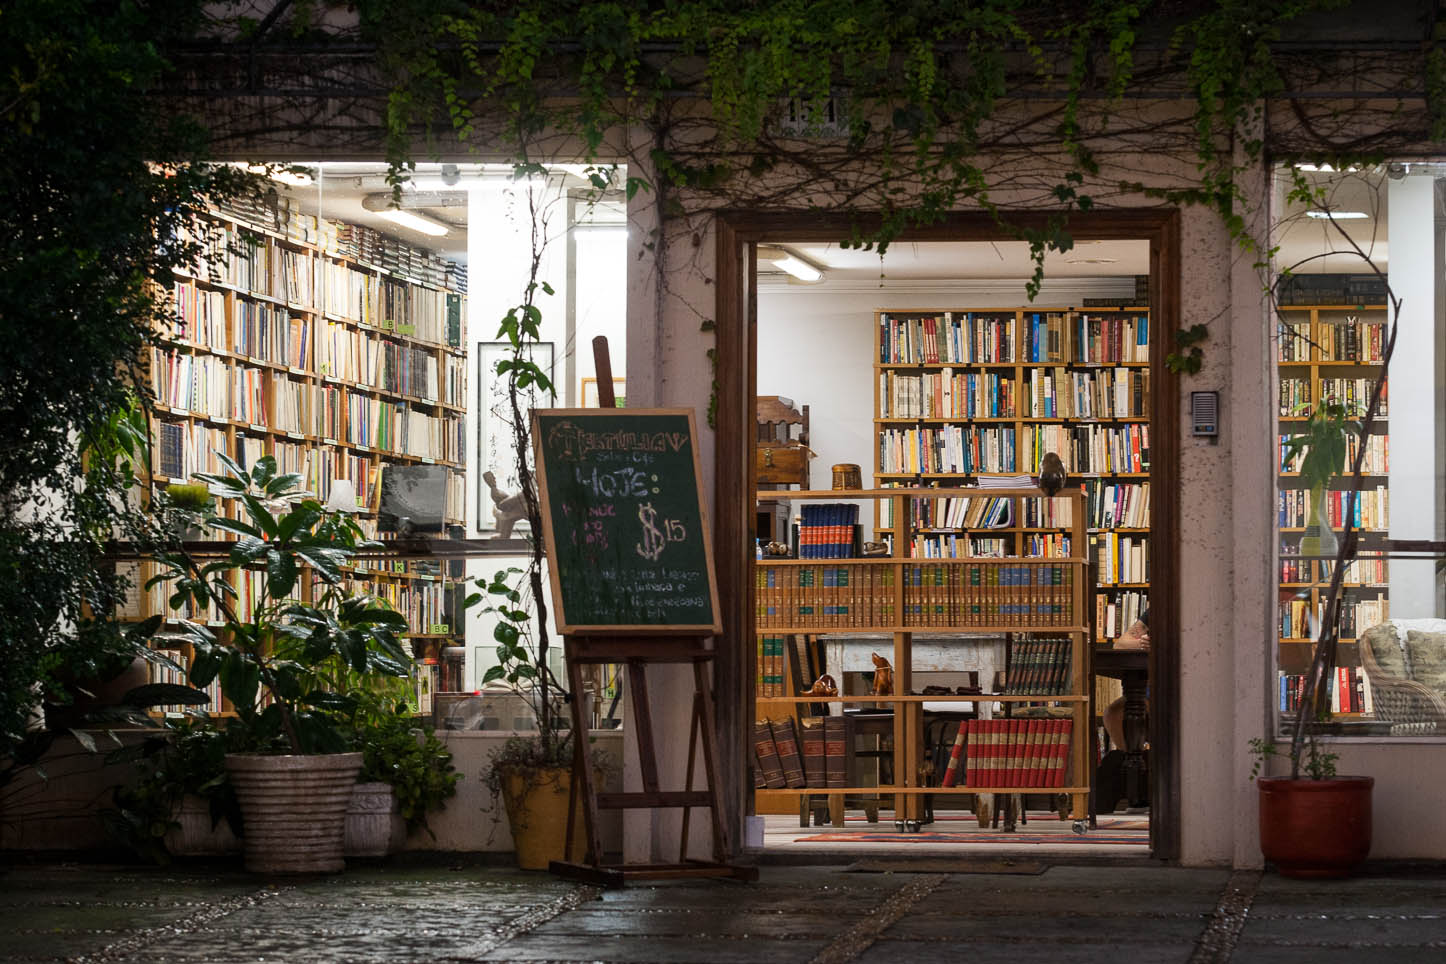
(1332,289)
(951,338)
(179,675)
(1377,460)
(771,675)
(1116,612)
(1295,397)
(1076,337)
(1116,505)
(959,449)
(1300,617)
(1120,558)
(1347,339)
(809,754)
(1350,691)
(1102,393)
(933,594)
(1355,395)
(1010,753)
(826,530)
(371,360)
(1370,508)
(1047,545)
(946,394)
(1039,664)
(351,418)
(427,605)
(950,545)
(959,512)
(1087,448)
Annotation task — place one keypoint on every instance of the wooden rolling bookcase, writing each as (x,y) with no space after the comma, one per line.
(900,595)
(292,340)
(1330,352)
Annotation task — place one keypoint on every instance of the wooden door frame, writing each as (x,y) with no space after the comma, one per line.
(737,233)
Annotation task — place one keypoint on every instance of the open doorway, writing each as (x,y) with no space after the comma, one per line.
(932,368)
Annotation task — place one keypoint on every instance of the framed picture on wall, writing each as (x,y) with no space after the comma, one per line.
(589,392)
(496,451)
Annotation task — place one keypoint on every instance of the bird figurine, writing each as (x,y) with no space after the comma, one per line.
(1051,473)
(508,509)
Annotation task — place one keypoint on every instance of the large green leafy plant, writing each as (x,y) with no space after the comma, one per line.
(278,658)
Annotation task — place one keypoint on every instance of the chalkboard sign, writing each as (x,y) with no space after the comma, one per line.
(622,511)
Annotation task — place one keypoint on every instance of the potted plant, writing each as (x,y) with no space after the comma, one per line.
(1318,825)
(286,623)
(406,773)
(530,774)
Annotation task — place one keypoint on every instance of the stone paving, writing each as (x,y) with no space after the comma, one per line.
(455,911)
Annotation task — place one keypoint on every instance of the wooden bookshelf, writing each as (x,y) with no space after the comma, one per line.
(1330,352)
(1002,387)
(333,349)
(899,596)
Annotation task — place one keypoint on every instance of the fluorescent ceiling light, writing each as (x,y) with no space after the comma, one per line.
(294,175)
(414,221)
(1324,168)
(785,260)
(1337,215)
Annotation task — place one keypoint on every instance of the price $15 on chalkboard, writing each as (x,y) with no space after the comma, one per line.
(626,532)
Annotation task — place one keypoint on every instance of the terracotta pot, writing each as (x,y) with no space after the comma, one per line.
(1315,828)
(536,801)
(293,809)
(196,837)
(374,828)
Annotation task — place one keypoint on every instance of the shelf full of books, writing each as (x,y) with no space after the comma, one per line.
(1038,605)
(340,353)
(981,396)
(1333,353)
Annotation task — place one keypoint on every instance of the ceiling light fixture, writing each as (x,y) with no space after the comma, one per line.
(414,221)
(785,260)
(1337,215)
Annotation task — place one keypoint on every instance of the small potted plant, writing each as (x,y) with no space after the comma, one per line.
(1323,441)
(1316,825)
(286,621)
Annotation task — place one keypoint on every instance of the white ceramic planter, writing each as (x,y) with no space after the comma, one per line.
(374,828)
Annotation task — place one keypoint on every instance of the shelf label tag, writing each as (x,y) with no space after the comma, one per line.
(439,629)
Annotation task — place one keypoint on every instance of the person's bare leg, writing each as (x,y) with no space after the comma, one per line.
(1114,720)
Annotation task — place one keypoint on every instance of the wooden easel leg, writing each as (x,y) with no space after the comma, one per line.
(581,769)
(688,782)
(704,701)
(643,725)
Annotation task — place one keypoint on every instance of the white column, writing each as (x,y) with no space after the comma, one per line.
(1415,389)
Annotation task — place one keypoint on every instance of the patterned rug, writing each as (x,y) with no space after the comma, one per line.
(1025,838)
(1125,829)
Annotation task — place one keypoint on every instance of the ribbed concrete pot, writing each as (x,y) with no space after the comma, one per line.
(374,828)
(293,809)
(195,836)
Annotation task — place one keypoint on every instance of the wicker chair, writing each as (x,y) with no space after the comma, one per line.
(1411,706)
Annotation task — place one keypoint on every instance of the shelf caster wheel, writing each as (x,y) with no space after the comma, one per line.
(899,826)
(1078,827)
(914,826)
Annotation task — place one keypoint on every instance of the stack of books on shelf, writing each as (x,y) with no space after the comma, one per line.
(1075,337)
(770,665)
(1116,505)
(1116,612)
(1350,691)
(1088,448)
(1011,753)
(826,530)
(1039,665)
(810,753)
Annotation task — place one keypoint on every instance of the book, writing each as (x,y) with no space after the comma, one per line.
(835,751)
(812,736)
(767,754)
(789,759)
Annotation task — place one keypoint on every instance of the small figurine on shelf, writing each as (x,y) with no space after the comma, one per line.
(823,686)
(876,548)
(883,676)
(775,550)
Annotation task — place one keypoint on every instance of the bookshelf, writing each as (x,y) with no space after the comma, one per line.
(1330,352)
(963,395)
(1023,599)
(338,351)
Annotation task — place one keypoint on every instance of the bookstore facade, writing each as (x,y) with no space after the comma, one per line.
(930,368)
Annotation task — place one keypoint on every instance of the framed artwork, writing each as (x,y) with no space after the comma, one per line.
(495,445)
(589,392)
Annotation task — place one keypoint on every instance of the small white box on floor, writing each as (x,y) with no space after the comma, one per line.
(753,832)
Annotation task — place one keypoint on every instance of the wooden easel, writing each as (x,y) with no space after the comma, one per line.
(636,654)
(638,646)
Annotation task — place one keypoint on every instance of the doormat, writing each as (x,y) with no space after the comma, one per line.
(947,865)
(1093,838)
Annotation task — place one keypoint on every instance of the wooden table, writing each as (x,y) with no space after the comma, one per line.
(1132,668)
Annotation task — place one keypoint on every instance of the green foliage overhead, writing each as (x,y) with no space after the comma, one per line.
(83,209)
